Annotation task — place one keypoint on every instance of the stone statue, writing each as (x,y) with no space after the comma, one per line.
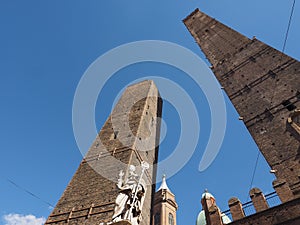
(130,199)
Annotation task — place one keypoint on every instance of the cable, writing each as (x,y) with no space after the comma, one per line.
(29,192)
(284,45)
(253,175)
(288,28)
(283,49)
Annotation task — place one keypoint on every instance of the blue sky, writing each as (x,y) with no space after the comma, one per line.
(45,48)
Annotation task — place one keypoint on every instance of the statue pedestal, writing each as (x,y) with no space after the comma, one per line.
(122,222)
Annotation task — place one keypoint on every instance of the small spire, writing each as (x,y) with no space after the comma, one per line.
(164,185)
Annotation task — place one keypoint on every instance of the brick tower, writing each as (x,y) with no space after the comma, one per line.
(129,136)
(165,206)
(264,86)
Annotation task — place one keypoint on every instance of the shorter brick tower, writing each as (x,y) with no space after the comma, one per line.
(165,206)
(91,198)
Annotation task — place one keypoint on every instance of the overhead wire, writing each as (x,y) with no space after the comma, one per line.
(288,27)
(284,44)
(29,192)
(283,49)
(253,174)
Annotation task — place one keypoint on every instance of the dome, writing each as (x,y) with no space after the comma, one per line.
(201,219)
(207,195)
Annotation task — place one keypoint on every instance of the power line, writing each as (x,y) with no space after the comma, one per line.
(29,192)
(284,45)
(283,49)
(253,174)
(288,27)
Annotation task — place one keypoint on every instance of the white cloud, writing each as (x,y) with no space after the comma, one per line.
(17,219)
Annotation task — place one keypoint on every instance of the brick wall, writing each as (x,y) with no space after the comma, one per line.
(90,197)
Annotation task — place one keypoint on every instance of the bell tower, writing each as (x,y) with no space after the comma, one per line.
(165,206)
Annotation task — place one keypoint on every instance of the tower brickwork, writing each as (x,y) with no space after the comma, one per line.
(264,86)
(130,135)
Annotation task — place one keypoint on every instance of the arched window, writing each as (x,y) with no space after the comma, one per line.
(157,219)
(171,219)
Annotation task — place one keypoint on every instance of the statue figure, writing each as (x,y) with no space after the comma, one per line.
(130,199)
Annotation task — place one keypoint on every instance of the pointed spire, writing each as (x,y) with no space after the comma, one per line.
(164,185)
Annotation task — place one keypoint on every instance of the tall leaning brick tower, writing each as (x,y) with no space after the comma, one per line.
(129,136)
(264,86)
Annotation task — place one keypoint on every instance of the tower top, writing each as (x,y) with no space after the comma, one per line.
(164,185)
(165,206)
(207,195)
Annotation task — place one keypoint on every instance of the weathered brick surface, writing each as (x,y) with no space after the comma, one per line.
(258,79)
(285,214)
(90,196)
(258,199)
(164,204)
(236,208)
(214,216)
(284,192)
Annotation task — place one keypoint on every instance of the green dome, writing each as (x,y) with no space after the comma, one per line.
(201,220)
